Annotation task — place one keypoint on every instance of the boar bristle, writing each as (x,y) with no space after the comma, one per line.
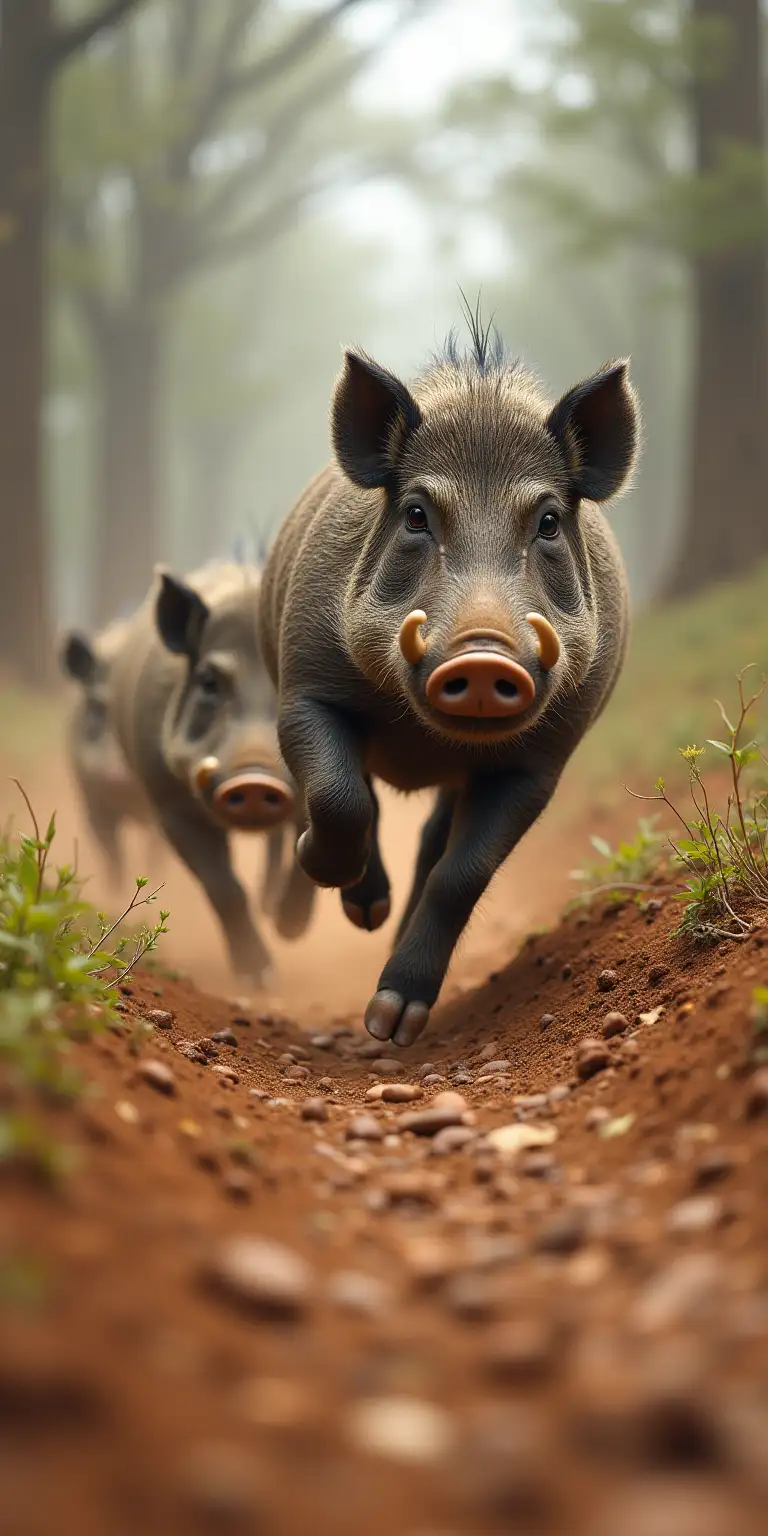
(487,352)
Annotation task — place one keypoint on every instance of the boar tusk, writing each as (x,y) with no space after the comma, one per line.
(549,645)
(411,640)
(205,771)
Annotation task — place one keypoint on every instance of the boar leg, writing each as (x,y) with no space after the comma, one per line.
(204,849)
(489,819)
(322,749)
(105,827)
(273,871)
(432,846)
(297,898)
(366,904)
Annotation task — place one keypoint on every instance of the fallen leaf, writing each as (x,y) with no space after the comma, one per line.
(652,1017)
(617,1127)
(511,1139)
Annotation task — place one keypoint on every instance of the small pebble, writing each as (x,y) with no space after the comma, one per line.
(225,1037)
(674,1294)
(606,981)
(227,1074)
(322,1042)
(364,1128)
(497,1066)
(613,1024)
(520,1352)
(158,1075)
(238,1185)
(713,1166)
(314,1109)
(545,1021)
(562,1234)
(352,1291)
(489,1051)
(427,1122)
(757,1094)
(127,1112)
(426,1070)
(400,1093)
(263,1276)
(697,1214)
(326,1083)
(402,1429)
(432,1078)
(657,974)
(386,1067)
(297,1074)
(596,1117)
(592,1056)
(452,1138)
(471,1297)
(160,1017)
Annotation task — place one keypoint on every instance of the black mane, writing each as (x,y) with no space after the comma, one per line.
(487,353)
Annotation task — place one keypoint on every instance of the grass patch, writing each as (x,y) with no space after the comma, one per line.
(722,852)
(60,966)
(680,658)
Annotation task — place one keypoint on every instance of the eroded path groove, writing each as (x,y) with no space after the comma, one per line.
(514,1279)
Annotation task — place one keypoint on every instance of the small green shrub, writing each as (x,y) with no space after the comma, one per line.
(625,868)
(60,966)
(725,855)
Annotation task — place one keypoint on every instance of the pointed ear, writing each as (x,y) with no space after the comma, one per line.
(596,424)
(77,657)
(371,416)
(180,615)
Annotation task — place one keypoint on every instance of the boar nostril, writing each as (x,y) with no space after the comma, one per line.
(455,687)
(505,688)
(272,798)
(235,797)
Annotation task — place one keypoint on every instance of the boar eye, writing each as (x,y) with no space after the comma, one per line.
(416,519)
(210,680)
(549,525)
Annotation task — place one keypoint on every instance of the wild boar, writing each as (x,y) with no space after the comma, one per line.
(109,793)
(195,714)
(445,606)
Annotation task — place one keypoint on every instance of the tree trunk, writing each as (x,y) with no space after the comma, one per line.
(25,645)
(726,527)
(128,356)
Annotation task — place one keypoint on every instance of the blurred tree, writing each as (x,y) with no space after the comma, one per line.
(33,47)
(651,142)
(211,141)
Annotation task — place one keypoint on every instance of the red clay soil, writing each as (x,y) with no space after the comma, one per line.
(448,1338)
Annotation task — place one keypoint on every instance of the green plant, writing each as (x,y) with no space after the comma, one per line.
(760,1025)
(60,965)
(725,855)
(625,868)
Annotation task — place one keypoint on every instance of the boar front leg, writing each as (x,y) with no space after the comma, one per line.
(204,849)
(273,871)
(432,845)
(489,819)
(106,828)
(322,748)
(297,899)
(367,903)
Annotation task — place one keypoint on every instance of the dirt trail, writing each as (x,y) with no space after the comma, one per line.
(448,1339)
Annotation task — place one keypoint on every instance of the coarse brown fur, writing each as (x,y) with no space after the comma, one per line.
(438,500)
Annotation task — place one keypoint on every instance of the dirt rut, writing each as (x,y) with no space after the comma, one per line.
(515,1279)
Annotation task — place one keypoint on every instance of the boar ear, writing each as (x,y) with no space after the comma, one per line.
(370,406)
(77,657)
(180,615)
(596,424)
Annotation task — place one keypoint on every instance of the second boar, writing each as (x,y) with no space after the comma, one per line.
(195,714)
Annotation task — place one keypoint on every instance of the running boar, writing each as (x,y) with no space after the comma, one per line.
(195,713)
(445,606)
(109,793)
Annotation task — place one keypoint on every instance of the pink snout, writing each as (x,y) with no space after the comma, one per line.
(484,684)
(253,801)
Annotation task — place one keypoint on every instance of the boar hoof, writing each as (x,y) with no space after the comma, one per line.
(326,870)
(389,1017)
(368,917)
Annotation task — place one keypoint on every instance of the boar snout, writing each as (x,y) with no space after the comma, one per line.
(248,800)
(253,801)
(484,684)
